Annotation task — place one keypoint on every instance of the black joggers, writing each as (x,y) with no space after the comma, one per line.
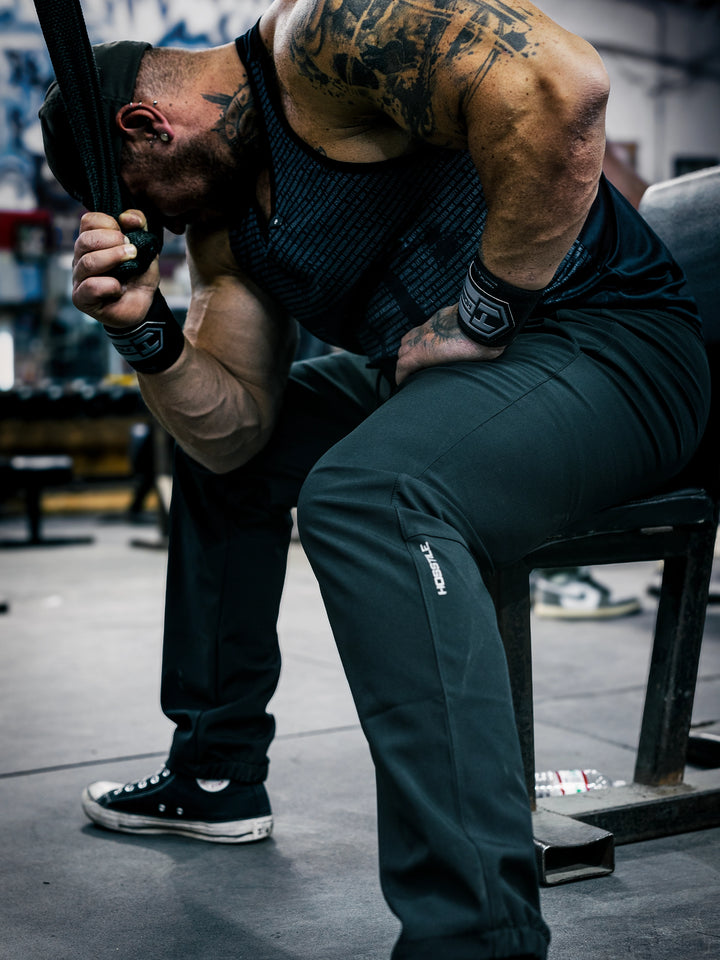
(406,499)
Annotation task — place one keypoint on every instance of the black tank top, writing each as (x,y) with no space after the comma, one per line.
(358,253)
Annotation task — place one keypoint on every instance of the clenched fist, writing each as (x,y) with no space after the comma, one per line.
(100,247)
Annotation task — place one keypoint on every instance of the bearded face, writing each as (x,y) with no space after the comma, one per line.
(206,178)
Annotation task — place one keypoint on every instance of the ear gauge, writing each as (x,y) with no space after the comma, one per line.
(165,137)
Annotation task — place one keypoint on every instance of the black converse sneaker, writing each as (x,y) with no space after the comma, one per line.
(222,811)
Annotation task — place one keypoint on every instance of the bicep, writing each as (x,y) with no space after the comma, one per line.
(221,398)
(242,331)
(234,322)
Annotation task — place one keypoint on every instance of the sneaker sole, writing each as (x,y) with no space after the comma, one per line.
(554,612)
(231,831)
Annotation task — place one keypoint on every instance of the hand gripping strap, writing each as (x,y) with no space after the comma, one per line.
(63,26)
(491,311)
(152,345)
(148,247)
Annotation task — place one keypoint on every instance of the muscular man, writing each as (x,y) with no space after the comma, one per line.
(418,184)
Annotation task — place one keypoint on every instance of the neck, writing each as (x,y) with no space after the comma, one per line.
(227,95)
(237,121)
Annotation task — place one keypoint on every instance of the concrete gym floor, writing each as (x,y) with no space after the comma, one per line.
(79,666)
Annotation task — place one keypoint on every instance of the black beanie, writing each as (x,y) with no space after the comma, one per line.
(118,64)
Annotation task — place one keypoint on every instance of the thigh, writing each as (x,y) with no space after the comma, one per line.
(325,399)
(572,418)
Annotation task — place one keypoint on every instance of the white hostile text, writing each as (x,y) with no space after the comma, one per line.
(435,568)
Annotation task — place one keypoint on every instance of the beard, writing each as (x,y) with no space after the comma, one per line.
(220,184)
(229,181)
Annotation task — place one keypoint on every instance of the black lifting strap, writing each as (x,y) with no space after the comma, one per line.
(65,32)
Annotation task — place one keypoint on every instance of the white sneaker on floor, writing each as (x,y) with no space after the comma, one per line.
(575,595)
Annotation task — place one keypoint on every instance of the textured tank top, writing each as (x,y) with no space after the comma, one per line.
(358,253)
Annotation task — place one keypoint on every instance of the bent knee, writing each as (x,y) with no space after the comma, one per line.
(339,498)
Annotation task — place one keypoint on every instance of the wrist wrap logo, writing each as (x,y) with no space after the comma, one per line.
(139,343)
(488,316)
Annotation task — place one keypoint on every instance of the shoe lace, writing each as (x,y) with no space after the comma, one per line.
(161,774)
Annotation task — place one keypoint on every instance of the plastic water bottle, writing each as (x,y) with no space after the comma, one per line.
(559,783)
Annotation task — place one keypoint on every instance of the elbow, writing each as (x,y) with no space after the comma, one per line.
(582,139)
(585,111)
(224,436)
(584,81)
(575,92)
(586,122)
(595,83)
(223,454)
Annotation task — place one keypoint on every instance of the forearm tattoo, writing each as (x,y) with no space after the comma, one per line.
(395,48)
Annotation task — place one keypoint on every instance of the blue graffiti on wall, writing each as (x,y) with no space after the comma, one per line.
(26,72)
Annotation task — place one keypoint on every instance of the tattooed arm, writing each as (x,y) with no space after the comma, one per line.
(533,104)
(525,96)
(535,120)
(502,79)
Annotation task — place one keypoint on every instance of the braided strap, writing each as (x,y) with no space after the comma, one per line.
(71,54)
(152,345)
(148,247)
(491,311)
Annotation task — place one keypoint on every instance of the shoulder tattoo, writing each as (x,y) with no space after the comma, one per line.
(396,48)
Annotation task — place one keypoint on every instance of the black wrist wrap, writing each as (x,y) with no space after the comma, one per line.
(492,311)
(152,345)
